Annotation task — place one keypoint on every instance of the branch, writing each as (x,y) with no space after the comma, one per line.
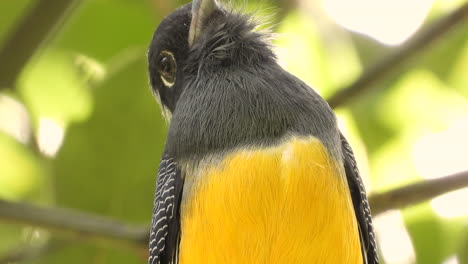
(401,55)
(417,192)
(92,227)
(77,224)
(32,31)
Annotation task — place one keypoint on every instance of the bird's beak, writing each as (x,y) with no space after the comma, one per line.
(201,9)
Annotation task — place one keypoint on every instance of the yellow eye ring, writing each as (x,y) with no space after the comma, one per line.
(167,68)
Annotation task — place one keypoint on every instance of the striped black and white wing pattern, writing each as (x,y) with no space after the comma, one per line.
(165,226)
(361,205)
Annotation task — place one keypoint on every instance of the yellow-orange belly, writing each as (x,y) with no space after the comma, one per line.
(284,204)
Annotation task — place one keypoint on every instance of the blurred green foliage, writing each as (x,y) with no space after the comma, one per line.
(91,79)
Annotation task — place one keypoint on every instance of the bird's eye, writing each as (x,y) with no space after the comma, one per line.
(167,68)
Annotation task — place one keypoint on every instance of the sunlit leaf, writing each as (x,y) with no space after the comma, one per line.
(434,239)
(300,50)
(342,61)
(52,87)
(459,75)
(392,165)
(20,176)
(419,101)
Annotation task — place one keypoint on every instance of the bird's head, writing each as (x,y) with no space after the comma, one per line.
(167,56)
(194,38)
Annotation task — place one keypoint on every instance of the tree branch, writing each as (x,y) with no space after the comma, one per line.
(92,227)
(33,30)
(77,224)
(416,193)
(401,55)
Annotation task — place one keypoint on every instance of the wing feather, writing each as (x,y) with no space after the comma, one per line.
(165,226)
(361,205)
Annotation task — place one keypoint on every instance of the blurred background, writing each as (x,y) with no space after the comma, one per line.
(79,127)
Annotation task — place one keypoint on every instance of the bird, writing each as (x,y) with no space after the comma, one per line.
(254,169)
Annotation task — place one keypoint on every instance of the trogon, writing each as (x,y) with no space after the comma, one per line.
(254,168)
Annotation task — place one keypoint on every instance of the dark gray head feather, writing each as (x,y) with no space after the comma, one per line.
(230,92)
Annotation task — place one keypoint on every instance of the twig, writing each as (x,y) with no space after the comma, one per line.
(417,192)
(401,55)
(33,30)
(77,224)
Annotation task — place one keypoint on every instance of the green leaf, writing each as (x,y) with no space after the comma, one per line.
(21,175)
(300,50)
(434,239)
(52,87)
(418,102)
(459,76)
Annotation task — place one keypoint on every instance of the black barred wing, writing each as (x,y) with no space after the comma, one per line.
(361,205)
(165,226)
